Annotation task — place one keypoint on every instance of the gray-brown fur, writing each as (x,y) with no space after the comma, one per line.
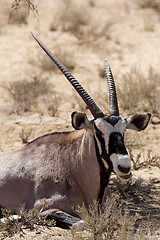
(53,167)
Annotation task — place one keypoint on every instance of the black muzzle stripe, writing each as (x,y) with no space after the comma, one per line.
(116,144)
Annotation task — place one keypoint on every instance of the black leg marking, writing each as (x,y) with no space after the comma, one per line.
(62,219)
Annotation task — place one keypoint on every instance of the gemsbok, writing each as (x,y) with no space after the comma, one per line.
(70,168)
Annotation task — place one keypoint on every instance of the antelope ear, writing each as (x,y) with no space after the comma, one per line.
(138,122)
(80,121)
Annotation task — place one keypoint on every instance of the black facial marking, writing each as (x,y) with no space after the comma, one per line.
(116,144)
(104,153)
(97,130)
(104,175)
(112,119)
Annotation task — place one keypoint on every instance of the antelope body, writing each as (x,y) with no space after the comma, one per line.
(70,168)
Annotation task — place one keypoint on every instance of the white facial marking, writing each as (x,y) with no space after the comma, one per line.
(99,146)
(123,161)
(105,163)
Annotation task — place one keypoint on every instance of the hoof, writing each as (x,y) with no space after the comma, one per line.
(78,226)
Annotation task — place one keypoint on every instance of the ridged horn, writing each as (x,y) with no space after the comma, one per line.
(113,103)
(95,110)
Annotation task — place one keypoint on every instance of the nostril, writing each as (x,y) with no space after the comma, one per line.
(124,169)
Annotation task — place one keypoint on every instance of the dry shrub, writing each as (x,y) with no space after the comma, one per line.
(73,15)
(77,18)
(26,94)
(65,56)
(99,96)
(144,160)
(50,103)
(153,4)
(150,23)
(137,92)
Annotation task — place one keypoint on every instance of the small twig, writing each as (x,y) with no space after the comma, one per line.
(30,5)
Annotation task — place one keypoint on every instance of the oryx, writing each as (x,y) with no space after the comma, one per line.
(70,168)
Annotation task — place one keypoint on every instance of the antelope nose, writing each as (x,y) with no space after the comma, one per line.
(124,169)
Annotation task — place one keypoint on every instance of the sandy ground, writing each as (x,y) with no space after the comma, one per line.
(124,34)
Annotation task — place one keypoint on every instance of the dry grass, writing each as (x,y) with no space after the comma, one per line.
(78,104)
(137,92)
(46,64)
(107,223)
(118,220)
(26,95)
(26,220)
(65,56)
(25,134)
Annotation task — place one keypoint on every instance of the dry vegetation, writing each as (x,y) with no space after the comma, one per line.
(29,4)
(77,18)
(118,219)
(28,95)
(12,224)
(153,4)
(65,56)
(25,134)
(140,93)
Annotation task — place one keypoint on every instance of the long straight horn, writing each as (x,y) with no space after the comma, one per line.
(113,104)
(95,110)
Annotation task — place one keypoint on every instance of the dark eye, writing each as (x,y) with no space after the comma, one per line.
(97,130)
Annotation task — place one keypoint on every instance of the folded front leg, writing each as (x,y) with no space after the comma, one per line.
(63,219)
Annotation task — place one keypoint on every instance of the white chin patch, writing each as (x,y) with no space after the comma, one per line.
(123,161)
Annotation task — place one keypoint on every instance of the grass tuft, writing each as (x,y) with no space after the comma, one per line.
(25,134)
(25,220)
